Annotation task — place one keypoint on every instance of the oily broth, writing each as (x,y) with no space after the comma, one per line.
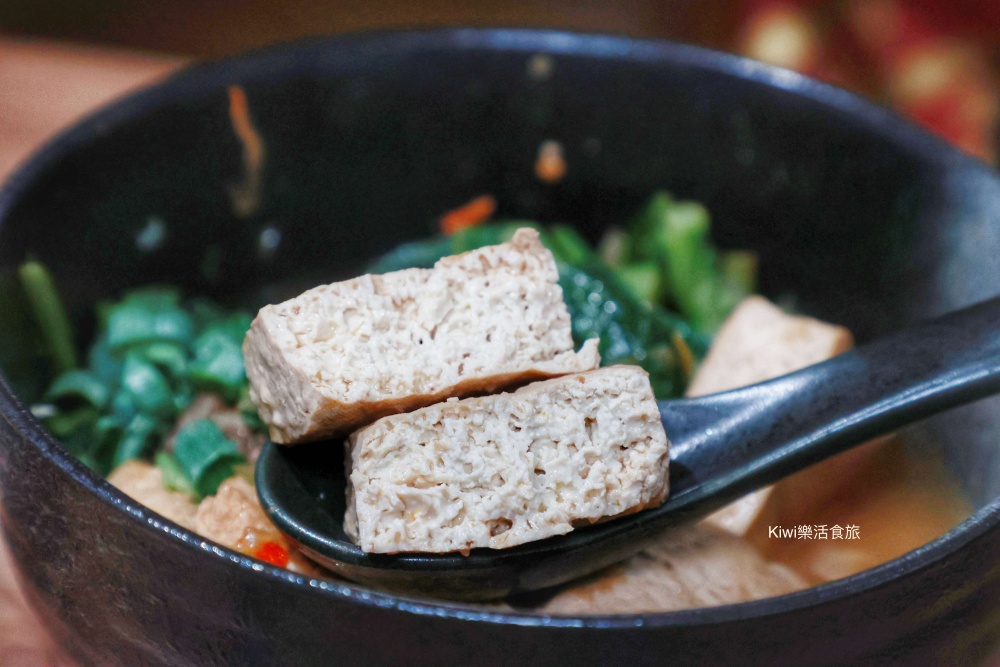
(898,502)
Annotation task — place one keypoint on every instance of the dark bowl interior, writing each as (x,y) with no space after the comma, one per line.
(858,217)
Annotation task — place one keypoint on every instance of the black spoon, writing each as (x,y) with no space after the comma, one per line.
(722,447)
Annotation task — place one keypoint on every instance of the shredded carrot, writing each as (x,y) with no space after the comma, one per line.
(550,166)
(684,354)
(246,195)
(471,214)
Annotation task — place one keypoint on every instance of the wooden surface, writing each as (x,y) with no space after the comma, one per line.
(222,27)
(45,87)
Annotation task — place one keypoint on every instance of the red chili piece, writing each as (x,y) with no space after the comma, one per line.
(273,553)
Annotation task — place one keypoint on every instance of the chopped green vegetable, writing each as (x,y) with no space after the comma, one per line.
(148,387)
(205,455)
(123,405)
(234,326)
(218,359)
(49,313)
(106,435)
(63,424)
(173,477)
(150,355)
(24,356)
(249,411)
(698,286)
(170,358)
(137,440)
(645,232)
(75,387)
(205,313)
(148,315)
(184,395)
(102,362)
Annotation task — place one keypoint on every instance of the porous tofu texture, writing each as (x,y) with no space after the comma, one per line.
(686,567)
(759,342)
(342,355)
(502,470)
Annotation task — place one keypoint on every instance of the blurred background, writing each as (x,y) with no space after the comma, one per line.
(935,61)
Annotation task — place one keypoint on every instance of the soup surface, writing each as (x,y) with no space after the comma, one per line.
(897,503)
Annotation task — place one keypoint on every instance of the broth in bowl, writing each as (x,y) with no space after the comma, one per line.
(159,402)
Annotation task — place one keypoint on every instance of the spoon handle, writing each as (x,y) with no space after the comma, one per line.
(740,440)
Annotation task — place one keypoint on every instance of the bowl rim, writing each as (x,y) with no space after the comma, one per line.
(269,61)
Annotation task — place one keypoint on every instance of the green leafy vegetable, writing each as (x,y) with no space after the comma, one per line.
(568,246)
(643,278)
(24,356)
(630,330)
(173,477)
(205,313)
(675,234)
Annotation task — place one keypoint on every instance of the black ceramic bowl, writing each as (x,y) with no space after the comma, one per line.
(867,220)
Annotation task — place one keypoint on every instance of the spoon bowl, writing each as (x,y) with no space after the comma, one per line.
(723,446)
